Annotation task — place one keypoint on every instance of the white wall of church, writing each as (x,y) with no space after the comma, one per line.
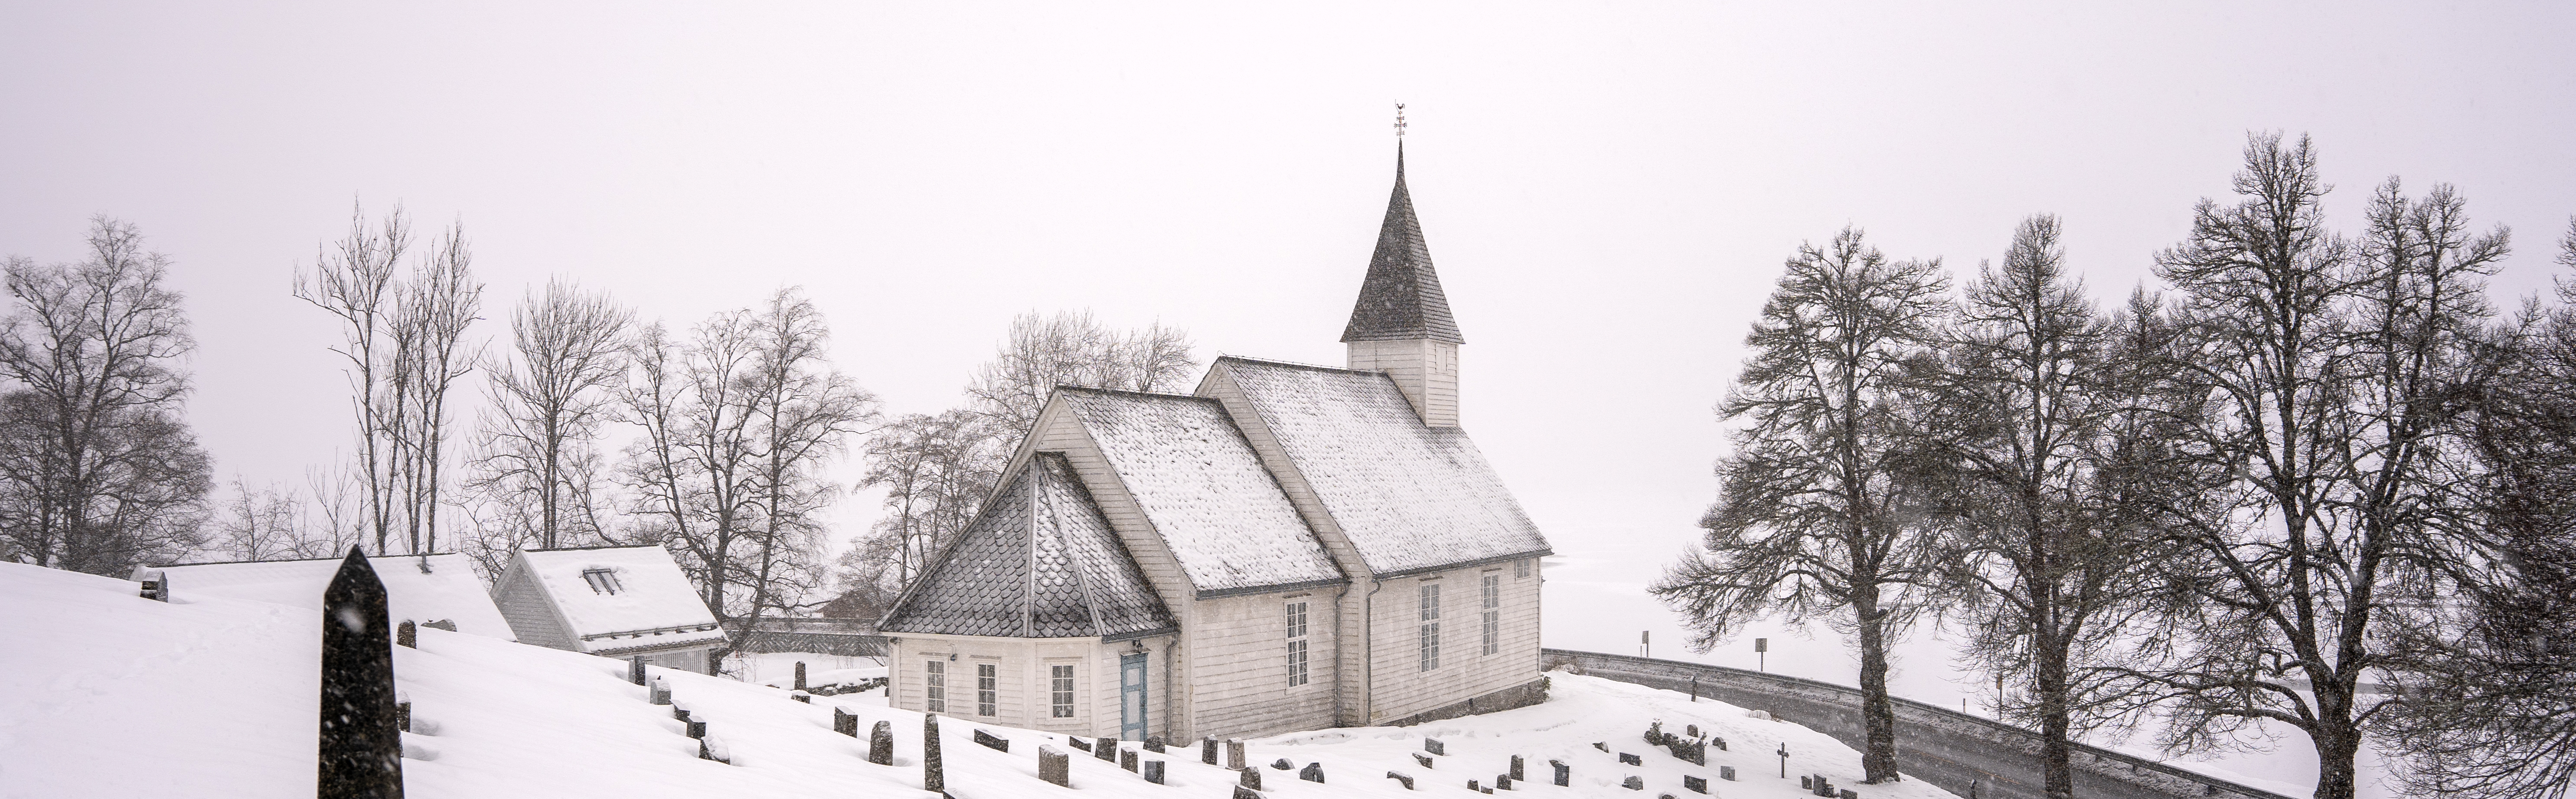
(1403,687)
(1426,370)
(1239,666)
(1023,675)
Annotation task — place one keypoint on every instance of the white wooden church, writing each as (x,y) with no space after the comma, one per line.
(1289,547)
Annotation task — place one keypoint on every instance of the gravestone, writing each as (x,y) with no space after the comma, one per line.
(1234,755)
(1313,772)
(1207,751)
(661,694)
(1694,784)
(1691,730)
(845,723)
(1077,742)
(406,634)
(932,779)
(634,668)
(1127,759)
(1241,792)
(1848,793)
(1154,744)
(991,741)
(881,743)
(1401,779)
(1054,766)
(1423,759)
(1601,746)
(1434,746)
(1105,749)
(156,586)
(1250,778)
(697,729)
(800,675)
(1473,785)
(360,746)
(1282,764)
(1516,768)
(1633,783)
(1154,771)
(801,696)
(1564,773)
(1630,759)
(1502,782)
(1726,773)
(402,715)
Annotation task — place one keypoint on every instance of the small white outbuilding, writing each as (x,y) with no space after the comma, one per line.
(418,588)
(610,601)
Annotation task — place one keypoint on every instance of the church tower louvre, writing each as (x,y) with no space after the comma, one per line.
(1401,325)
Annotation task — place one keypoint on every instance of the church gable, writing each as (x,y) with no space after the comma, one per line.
(1203,492)
(1410,498)
(1039,561)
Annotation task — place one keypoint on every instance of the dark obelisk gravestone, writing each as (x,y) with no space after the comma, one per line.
(361,749)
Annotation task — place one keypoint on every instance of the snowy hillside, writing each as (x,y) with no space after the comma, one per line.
(108,694)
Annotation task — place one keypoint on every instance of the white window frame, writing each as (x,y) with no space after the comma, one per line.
(1429,632)
(1060,690)
(1297,674)
(934,686)
(1520,568)
(1493,585)
(988,688)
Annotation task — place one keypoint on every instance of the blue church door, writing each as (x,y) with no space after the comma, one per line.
(1131,696)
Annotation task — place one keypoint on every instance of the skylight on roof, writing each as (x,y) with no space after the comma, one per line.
(602,580)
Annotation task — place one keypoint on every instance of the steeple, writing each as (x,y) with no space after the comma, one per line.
(1401,324)
(1401,299)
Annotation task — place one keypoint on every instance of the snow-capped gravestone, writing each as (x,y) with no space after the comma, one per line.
(361,739)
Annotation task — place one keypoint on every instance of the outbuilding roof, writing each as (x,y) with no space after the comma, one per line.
(418,588)
(1039,561)
(1206,494)
(1411,498)
(612,598)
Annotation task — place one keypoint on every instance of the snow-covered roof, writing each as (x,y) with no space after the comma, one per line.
(1039,561)
(644,600)
(416,588)
(1198,482)
(1410,497)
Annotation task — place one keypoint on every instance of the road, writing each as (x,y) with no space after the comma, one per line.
(1940,755)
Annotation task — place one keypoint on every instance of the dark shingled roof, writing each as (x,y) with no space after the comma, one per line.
(1052,570)
(1400,300)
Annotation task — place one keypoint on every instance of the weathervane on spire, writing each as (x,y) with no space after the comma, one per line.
(1399,122)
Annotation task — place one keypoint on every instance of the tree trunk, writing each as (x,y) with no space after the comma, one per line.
(1877,712)
(2055,751)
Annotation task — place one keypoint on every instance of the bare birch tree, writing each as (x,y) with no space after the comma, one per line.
(738,422)
(1070,348)
(98,469)
(1812,520)
(548,404)
(404,347)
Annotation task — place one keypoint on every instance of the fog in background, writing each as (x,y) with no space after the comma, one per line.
(1608,192)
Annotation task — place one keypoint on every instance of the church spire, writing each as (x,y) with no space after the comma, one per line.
(1401,298)
(1401,325)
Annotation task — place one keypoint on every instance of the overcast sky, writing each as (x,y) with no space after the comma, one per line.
(1608,192)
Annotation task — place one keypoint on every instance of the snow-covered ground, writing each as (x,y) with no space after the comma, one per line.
(106,694)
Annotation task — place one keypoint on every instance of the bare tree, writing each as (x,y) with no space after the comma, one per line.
(2489,686)
(2329,370)
(405,348)
(268,523)
(2032,450)
(98,471)
(738,423)
(1811,519)
(1070,348)
(354,281)
(548,403)
(936,470)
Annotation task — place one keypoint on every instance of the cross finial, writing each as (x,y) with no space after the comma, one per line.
(1399,121)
